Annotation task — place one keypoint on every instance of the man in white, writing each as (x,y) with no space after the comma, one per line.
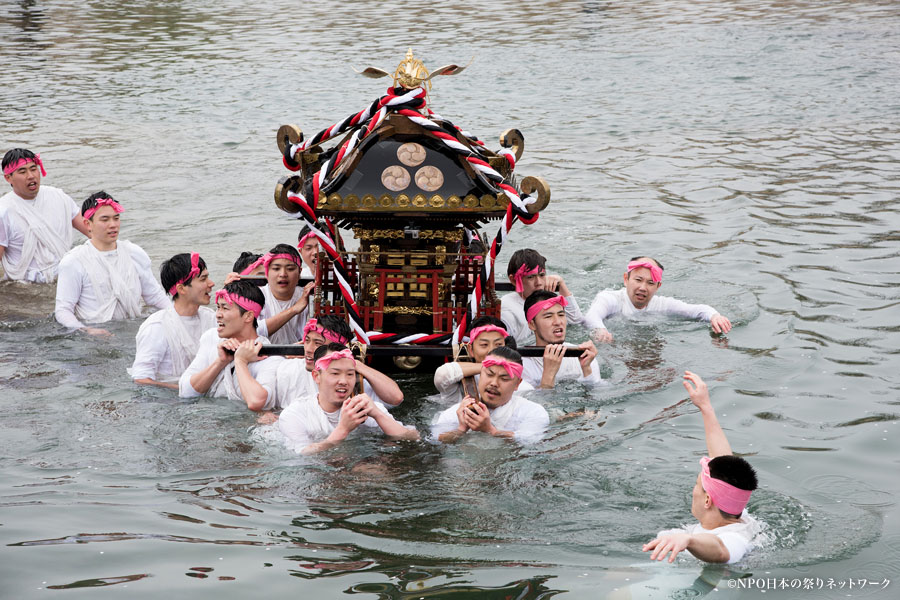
(546,316)
(321,421)
(497,410)
(228,361)
(285,311)
(308,245)
(725,532)
(527,272)
(457,379)
(104,278)
(168,339)
(295,376)
(643,278)
(35,221)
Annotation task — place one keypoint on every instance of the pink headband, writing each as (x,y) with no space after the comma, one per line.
(268,258)
(725,496)
(304,238)
(194,272)
(24,161)
(313,325)
(254,265)
(544,305)
(655,272)
(104,202)
(522,273)
(322,363)
(240,301)
(485,328)
(514,369)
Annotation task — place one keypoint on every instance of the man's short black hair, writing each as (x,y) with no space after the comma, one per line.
(526,256)
(537,296)
(91,201)
(327,349)
(661,268)
(735,471)
(249,291)
(506,353)
(336,325)
(172,270)
(15,155)
(245,260)
(285,249)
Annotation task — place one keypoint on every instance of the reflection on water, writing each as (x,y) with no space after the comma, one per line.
(752,146)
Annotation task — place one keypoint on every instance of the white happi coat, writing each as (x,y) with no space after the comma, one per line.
(226,382)
(526,419)
(95,287)
(167,342)
(36,233)
(608,303)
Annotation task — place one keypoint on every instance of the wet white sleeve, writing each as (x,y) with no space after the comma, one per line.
(605,305)
(68,291)
(533,423)
(206,354)
(445,421)
(446,380)
(671,306)
(266,376)
(73,208)
(294,429)
(737,545)
(533,370)
(4,228)
(512,314)
(151,290)
(573,311)
(150,350)
(594,378)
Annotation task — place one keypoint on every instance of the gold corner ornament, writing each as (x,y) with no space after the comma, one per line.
(411,72)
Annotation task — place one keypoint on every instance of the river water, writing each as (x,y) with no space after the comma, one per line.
(753,147)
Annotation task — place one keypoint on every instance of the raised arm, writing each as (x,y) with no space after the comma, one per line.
(716,442)
(276,322)
(383,386)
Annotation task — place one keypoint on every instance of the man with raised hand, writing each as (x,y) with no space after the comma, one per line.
(35,221)
(451,378)
(546,316)
(168,339)
(527,272)
(643,278)
(326,419)
(228,361)
(725,532)
(287,303)
(104,278)
(500,411)
(295,377)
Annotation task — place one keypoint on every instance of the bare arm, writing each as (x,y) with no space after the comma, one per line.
(78,223)
(705,546)
(276,322)
(202,380)
(390,426)
(716,442)
(162,384)
(254,394)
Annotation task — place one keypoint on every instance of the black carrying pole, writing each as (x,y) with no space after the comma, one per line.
(404,350)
